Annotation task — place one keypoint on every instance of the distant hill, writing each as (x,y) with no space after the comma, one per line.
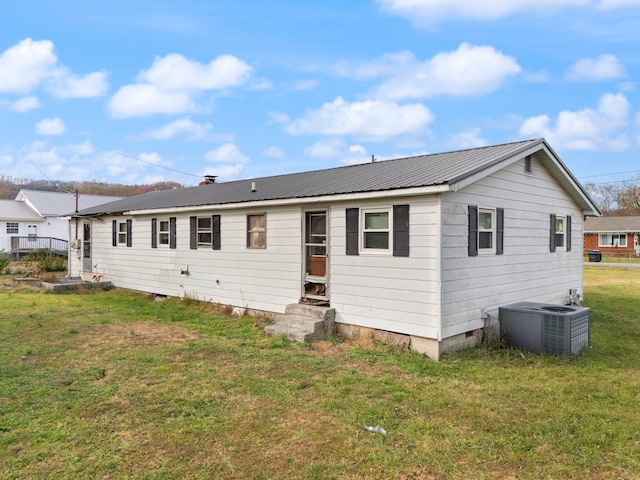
(9,187)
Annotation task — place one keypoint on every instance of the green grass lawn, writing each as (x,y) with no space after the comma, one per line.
(111,384)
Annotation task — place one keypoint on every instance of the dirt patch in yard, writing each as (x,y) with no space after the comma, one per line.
(135,334)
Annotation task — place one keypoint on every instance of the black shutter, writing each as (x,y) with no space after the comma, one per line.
(154,233)
(552,233)
(129,230)
(193,233)
(568,233)
(172,232)
(215,233)
(353,216)
(114,233)
(401,230)
(472,241)
(500,231)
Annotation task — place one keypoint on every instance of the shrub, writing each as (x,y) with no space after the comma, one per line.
(4,260)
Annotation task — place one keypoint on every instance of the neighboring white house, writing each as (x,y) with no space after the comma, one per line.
(33,220)
(423,246)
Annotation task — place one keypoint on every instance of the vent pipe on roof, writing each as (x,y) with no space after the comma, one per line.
(253,187)
(373,159)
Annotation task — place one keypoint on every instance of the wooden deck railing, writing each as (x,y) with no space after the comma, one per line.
(49,244)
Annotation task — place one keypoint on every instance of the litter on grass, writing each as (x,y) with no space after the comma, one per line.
(376,429)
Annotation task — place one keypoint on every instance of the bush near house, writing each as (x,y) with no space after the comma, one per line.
(115,385)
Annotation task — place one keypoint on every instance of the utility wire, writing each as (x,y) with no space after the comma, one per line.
(145,161)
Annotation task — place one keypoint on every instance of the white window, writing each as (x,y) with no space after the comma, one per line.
(204,231)
(376,230)
(257,231)
(163,232)
(12,227)
(122,232)
(612,240)
(486,230)
(559,234)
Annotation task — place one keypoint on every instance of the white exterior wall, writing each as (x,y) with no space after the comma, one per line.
(5,238)
(264,279)
(526,270)
(397,294)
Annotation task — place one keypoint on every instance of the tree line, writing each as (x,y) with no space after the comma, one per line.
(616,199)
(10,186)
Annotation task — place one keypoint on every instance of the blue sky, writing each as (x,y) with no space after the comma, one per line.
(142,91)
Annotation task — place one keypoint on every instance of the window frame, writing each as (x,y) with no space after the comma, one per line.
(611,242)
(491,250)
(13,228)
(163,235)
(202,231)
(364,230)
(251,243)
(122,234)
(560,234)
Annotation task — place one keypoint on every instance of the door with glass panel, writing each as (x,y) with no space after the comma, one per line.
(316,288)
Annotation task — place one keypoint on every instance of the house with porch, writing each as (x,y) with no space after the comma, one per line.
(33,220)
(617,236)
(426,248)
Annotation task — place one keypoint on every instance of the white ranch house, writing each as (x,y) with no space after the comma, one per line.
(34,219)
(426,247)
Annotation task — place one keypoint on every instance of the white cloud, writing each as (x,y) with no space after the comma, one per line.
(604,67)
(337,149)
(184,126)
(25,104)
(587,129)
(226,153)
(26,65)
(229,162)
(324,149)
(428,12)
(469,70)
(175,72)
(370,119)
(387,65)
(30,64)
(172,85)
(274,152)
(51,126)
(68,85)
(468,139)
(141,100)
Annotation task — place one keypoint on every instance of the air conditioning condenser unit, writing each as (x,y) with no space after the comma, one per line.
(545,328)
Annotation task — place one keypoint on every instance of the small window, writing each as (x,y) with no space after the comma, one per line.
(122,232)
(163,232)
(12,227)
(486,227)
(559,232)
(257,231)
(204,231)
(527,164)
(375,231)
(612,240)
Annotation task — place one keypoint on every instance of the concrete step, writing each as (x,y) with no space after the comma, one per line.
(303,323)
(311,311)
(293,333)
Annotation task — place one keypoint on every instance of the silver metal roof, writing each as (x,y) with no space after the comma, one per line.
(51,204)
(420,171)
(12,211)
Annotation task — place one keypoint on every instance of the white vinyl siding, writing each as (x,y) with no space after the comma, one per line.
(397,294)
(264,279)
(526,270)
